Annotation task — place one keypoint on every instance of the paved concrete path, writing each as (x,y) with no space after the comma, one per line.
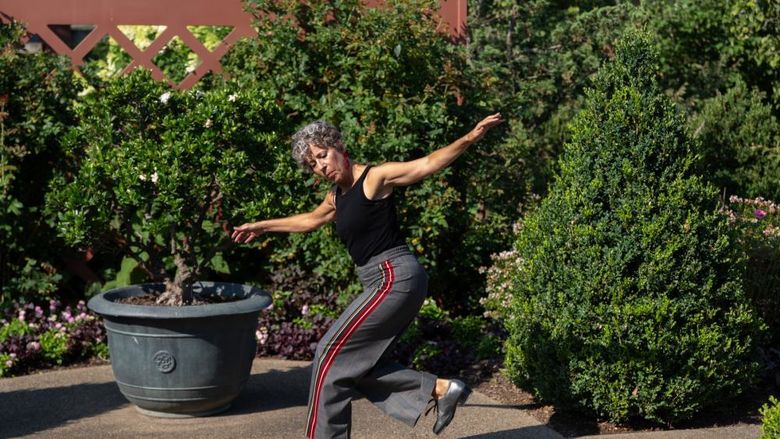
(86,403)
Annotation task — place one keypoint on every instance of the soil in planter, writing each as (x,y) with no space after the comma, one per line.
(151,300)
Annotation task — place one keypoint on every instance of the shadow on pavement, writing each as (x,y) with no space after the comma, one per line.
(272,390)
(536,431)
(24,412)
(530,406)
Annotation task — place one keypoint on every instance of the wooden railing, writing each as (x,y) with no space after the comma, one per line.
(43,17)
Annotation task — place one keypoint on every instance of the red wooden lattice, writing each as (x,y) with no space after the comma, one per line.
(107,15)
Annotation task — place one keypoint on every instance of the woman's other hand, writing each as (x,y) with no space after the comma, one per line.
(483,126)
(247,232)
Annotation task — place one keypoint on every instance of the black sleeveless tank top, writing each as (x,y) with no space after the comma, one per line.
(366,227)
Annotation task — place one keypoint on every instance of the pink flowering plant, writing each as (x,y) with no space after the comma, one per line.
(499,278)
(34,336)
(758,216)
(757,222)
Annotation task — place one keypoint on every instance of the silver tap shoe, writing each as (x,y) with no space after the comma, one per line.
(457,394)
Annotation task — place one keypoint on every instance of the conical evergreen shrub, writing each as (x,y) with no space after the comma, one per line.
(628,300)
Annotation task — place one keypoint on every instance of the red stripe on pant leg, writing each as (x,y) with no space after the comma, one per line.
(319,361)
(336,348)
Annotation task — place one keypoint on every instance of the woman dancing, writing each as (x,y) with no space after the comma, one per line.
(351,359)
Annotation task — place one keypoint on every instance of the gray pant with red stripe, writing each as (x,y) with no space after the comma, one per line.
(351,359)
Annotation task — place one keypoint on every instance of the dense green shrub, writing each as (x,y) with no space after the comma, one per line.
(629,299)
(163,173)
(36,109)
(397,98)
(741,143)
(754,43)
(536,58)
(693,36)
(770,421)
(445,345)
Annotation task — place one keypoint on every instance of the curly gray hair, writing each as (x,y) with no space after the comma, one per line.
(318,133)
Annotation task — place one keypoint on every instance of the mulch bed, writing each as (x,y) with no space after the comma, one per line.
(488,379)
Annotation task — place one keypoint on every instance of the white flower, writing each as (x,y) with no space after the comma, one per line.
(208,123)
(155,177)
(233,97)
(305,310)
(164,97)
(262,335)
(142,177)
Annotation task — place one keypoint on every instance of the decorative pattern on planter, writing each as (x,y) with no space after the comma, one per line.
(165,361)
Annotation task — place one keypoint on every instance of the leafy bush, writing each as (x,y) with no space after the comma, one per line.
(628,300)
(397,98)
(535,59)
(770,413)
(445,345)
(755,42)
(162,173)
(32,337)
(741,142)
(36,109)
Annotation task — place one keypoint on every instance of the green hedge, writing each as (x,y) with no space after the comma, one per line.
(770,419)
(628,300)
(38,95)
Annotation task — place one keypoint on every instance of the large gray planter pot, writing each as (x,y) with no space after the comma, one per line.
(181,361)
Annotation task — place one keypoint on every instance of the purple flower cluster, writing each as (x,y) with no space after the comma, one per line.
(763,214)
(34,337)
(304,309)
(757,222)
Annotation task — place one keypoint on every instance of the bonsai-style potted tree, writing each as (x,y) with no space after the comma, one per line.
(158,175)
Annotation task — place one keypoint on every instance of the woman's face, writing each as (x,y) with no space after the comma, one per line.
(329,163)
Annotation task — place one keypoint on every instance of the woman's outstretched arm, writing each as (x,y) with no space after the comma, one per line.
(392,174)
(304,222)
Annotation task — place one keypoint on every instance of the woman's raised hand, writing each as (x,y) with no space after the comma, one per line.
(483,126)
(247,232)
